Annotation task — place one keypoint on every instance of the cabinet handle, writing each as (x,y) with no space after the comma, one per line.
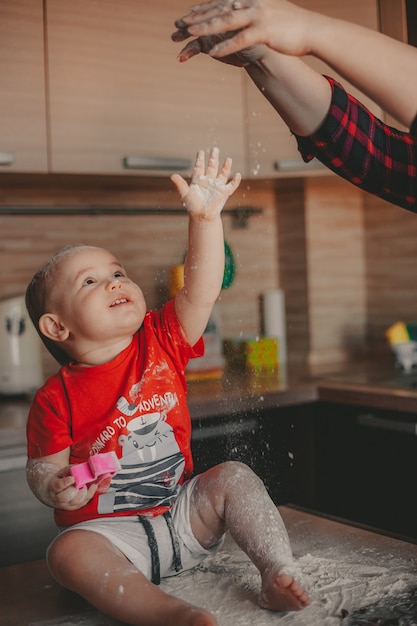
(6,158)
(223,430)
(288,165)
(155,163)
(381,423)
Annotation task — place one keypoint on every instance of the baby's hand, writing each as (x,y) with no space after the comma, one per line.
(209,189)
(64,494)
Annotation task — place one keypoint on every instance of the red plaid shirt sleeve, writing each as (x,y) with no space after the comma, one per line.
(360,148)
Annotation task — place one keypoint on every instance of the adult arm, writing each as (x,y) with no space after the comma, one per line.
(341,132)
(327,122)
(381,67)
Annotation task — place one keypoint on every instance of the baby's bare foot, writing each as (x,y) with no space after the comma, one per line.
(281,592)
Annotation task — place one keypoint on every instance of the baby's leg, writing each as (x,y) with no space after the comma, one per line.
(88,564)
(231,497)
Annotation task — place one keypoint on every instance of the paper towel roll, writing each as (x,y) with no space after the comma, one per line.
(274,320)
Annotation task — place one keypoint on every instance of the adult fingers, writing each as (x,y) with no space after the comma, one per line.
(208,10)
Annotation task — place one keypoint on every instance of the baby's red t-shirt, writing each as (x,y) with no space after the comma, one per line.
(134,405)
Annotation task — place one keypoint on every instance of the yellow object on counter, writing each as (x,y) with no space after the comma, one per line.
(397,333)
(176,279)
(252,354)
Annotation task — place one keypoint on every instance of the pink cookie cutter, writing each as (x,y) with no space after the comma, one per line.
(100,468)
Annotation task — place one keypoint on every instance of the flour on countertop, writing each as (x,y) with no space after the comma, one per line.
(227,584)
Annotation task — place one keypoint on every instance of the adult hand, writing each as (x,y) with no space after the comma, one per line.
(206,44)
(278,24)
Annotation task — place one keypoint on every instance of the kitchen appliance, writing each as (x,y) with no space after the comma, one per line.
(20,349)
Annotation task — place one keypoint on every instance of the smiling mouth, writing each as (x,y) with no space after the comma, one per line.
(119,301)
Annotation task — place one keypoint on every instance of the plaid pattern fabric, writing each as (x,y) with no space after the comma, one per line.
(360,148)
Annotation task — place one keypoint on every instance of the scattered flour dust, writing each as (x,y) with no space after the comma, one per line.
(228,585)
(339,582)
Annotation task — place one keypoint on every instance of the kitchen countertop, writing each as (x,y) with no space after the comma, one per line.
(232,394)
(379,387)
(348,571)
(372,384)
(237,393)
(366,384)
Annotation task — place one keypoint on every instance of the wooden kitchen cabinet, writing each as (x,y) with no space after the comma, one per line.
(27,526)
(276,443)
(23,136)
(366,466)
(116,90)
(393,22)
(271,144)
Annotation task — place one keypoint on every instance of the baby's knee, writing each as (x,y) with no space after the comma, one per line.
(233,467)
(236,472)
(62,553)
(57,555)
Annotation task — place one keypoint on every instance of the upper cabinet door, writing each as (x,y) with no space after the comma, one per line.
(394,23)
(272,149)
(22,87)
(121,103)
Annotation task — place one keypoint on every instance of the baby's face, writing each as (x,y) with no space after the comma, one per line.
(96,300)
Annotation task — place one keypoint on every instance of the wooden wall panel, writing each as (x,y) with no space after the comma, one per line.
(336,269)
(147,245)
(345,260)
(391,259)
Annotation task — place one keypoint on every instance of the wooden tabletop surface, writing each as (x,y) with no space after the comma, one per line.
(30,597)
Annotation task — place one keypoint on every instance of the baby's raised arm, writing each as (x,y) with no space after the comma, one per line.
(204,199)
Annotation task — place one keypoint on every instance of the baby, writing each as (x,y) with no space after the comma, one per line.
(121,389)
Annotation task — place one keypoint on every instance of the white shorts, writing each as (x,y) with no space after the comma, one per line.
(129,536)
